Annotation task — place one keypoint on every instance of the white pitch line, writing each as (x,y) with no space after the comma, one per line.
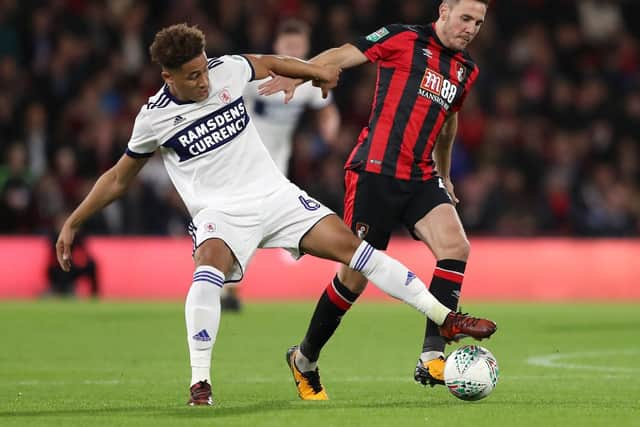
(555,360)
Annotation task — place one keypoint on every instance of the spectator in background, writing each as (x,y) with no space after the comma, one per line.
(36,136)
(63,283)
(7,121)
(277,120)
(16,195)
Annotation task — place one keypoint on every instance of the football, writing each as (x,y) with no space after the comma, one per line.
(471,372)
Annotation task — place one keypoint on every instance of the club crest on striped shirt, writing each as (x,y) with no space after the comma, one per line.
(460,71)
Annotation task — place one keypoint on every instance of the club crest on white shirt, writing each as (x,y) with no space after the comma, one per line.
(224,96)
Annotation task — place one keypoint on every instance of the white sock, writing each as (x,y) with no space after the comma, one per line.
(202,315)
(396,280)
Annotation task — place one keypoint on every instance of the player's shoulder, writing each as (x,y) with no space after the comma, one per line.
(230,60)
(232,65)
(159,101)
(398,28)
(214,62)
(389,31)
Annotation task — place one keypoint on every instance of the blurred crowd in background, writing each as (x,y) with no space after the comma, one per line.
(548,144)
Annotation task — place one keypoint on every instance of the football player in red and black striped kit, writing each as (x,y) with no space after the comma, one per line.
(398,173)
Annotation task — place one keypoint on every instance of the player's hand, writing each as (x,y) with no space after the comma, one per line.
(279,84)
(328,79)
(448,185)
(63,246)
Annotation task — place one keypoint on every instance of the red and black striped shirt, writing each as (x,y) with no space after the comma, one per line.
(420,82)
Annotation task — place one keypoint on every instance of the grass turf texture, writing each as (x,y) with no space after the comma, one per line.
(83,363)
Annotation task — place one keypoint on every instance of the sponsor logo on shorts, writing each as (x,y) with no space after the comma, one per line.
(210,227)
(362,229)
(441,185)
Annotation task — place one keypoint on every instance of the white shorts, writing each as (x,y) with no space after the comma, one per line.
(279,220)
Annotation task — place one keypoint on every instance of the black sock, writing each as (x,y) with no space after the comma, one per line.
(445,286)
(335,301)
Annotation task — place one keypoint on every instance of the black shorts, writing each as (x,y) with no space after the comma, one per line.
(375,204)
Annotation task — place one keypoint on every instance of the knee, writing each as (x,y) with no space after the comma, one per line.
(345,247)
(463,249)
(456,249)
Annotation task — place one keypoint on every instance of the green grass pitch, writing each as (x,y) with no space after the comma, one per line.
(120,364)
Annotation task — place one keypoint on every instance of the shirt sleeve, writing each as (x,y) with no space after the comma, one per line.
(242,66)
(143,142)
(467,88)
(251,90)
(384,43)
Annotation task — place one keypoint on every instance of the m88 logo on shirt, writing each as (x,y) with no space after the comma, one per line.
(434,83)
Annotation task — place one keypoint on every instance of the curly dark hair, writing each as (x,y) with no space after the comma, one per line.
(175,45)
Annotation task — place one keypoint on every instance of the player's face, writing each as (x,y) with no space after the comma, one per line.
(296,45)
(191,81)
(461,22)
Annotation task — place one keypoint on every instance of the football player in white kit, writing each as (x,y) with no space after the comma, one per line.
(276,121)
(237,197)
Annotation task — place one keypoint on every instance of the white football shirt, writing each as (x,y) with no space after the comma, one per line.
(276,120)
(211,149)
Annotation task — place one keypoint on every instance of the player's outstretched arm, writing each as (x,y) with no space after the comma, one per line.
(323,76)
(345,56)
(111,185)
